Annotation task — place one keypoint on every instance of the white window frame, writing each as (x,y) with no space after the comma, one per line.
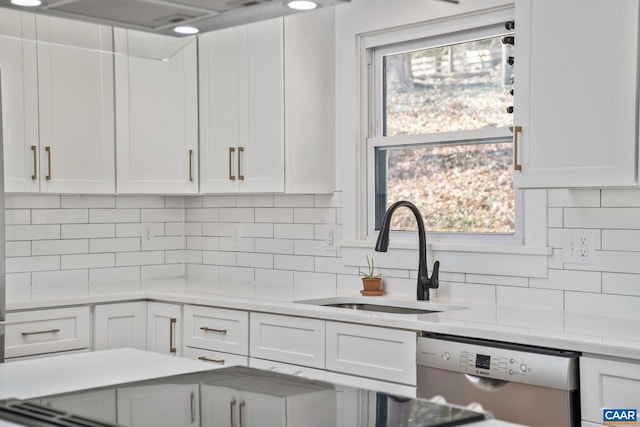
(375,48)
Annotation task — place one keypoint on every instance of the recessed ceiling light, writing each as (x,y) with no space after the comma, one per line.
(26,3)
(302,4)
(186,30)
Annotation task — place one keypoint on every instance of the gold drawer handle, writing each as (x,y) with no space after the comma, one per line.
(34,176)
(215,331)
(49,331)
(206,359)
(48,150)
(232,150)
(172,344)
(190,165)
(516,130)
(240,154)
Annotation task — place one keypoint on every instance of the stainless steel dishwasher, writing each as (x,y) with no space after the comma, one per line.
(521,384)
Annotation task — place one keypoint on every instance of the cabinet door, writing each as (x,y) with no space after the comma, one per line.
(575,93)
(216,329)
(607,384)
(75,80)
(97,405)
(157,113)
(242,98)
(19,89)
(380,353)
(120,325)
(223,406)
(163,330)
(156,405)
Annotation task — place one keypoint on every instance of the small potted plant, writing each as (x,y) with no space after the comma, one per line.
(371,281)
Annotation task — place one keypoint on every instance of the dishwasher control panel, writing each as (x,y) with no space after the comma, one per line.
(500,363)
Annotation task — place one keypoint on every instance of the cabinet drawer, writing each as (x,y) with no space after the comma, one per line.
(47,331)
(216,329)
(215,358)
(607,384)
(384,354)
(295,340)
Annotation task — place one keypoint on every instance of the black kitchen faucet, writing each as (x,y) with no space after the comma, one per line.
(424,281)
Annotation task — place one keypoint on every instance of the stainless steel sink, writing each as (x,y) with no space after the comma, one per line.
(383,308)
(383,305)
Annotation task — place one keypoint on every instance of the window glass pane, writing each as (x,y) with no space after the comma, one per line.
(462,86)
(458,188)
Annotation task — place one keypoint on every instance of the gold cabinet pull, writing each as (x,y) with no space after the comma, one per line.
(172,344)
(190,165)
(193,408)
(516,130)
(34,175)
(242,404)
(48,150)
(206,359)
(215,331)
(240,153)
(48,331)
(231,175)
(232,405)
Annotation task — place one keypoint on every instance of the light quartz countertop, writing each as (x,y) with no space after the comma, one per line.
(603,335)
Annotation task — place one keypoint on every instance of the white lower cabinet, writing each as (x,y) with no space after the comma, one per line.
(98,405)
(216,329)
(277,404)
(120,325)
(295,340)
(163,404)
(606,383)
(36,332)
(163,329)
(368,351)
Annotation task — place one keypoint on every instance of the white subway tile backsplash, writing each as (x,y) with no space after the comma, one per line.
(60,277)
(123,259)
(312,247)
(293,231)
(621,240)
(68,262)
(32,263)
(314,216)
(59,247)
(193,229)
(114,215)
(87,201)
(256,230)
(313,285)
(32,232)
(217,229)
(555,218)
(162,271)
(140,201)
(227,201)
(621,284)
(527,297)
(174,229)
(236,214)
(17,216)
(616,218)
(621,198)
(203,243)
(174,202)
(31,201)
(87,231)
(269,276)
(275,215)
(192,202)
(114,275)
(583,281)
(482,279)
(219,258)
(203,215)
(614,305)
(274,246)
(293,262)
(235,276)
(18,287)
(162,215)
(255,260)
(466,291)
(244,245)
(175,256)
(134,229)
(255,201)
(573,198)
(293,201)
(59,216)
(192,256)
(49,291)
(328,200)
(15,249)
(114,245)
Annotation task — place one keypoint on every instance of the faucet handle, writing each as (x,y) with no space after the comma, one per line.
(433,281)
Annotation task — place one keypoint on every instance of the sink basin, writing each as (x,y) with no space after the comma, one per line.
(383,305)
(383,308)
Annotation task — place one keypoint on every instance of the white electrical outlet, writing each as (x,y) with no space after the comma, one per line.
(578,246)
(148,234)
(235,235)
(331,237)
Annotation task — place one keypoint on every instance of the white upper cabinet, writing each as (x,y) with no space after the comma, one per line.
(242,108)
(576,93)
(73,111)
(156,113)
(75,82)
(267,106)
(19,89)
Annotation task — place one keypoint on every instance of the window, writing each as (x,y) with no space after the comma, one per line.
(440,133)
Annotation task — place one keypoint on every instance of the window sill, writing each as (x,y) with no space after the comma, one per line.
(455,247)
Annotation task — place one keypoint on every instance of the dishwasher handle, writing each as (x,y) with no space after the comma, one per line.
(486,384)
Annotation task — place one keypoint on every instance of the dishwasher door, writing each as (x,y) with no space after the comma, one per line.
(508,401)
